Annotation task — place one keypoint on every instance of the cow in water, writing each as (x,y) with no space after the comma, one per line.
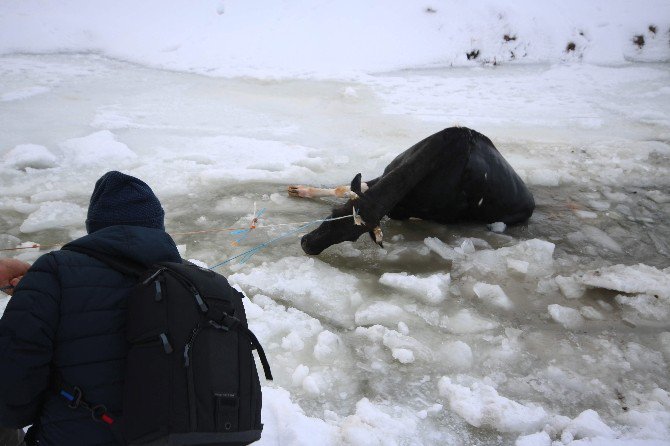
(455,175)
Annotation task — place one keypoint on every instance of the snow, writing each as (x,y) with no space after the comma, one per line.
(33,156)
(97,148)
(319,37)
(552,332)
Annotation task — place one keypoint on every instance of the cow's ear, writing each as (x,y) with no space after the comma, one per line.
(356,185)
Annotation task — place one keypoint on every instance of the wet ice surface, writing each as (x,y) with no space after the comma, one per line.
(450,334)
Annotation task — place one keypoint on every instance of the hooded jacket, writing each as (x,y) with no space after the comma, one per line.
(67,318)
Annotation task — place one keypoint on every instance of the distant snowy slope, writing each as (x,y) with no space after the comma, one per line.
(323,38)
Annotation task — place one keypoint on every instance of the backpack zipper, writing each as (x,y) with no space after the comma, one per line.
(156,339)
(189,345)
(187,283)
(190,379)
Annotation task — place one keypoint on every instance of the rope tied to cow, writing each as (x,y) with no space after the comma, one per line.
(243,232)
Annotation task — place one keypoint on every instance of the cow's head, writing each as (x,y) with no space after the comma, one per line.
(365,218)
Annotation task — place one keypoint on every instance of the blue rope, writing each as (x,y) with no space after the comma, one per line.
(246,255)
(246,232)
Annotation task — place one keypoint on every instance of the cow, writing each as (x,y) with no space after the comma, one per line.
(455,175)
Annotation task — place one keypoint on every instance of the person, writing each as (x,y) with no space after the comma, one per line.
(66,319)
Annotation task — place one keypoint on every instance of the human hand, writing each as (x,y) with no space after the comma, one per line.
(11,272)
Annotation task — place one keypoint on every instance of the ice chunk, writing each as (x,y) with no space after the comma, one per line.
(570,287)
(467,247)
(587,424)
(372,425)
(630,279)
(599,205)
(199,263)
(48,195)
(493,295)
(601,238)
(395,340)
(403,355)
(328,347)
(658,196)
(34,156)
(536,439)
(537,253)
(642,358)
(591,313)
(498,227)
(442,249)
(585,214)
(96,148)
(299,280)
(432,289)
(299,374)
(380,313)
(465,321)
(567,317)
(292,342)
(457,354)
(8,241)
(54,214)
(481,405)
(520,266)
(664,339)
(654,308)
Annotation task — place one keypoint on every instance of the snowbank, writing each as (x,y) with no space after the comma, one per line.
(270,38)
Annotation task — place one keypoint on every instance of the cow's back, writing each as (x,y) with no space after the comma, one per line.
(494,191)
(471,181)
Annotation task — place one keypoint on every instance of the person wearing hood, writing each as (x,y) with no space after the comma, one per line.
(66,319)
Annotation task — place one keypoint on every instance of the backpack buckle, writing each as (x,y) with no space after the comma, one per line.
(99,413)
(226,323)
(75,400)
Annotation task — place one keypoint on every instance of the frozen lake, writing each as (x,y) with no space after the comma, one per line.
(529,329)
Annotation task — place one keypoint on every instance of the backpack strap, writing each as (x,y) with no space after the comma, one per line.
(121,264)
(232,323)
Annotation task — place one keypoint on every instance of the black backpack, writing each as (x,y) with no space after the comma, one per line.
(190,377)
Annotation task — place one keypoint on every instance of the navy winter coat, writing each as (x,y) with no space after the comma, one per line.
(67,316)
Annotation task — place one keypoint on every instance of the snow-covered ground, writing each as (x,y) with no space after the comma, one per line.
(552,333)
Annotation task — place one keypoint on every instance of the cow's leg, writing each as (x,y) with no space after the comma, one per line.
(315,192)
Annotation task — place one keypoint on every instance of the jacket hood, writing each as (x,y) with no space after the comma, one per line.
(145,246)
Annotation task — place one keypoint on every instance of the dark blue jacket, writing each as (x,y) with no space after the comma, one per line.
(67,317)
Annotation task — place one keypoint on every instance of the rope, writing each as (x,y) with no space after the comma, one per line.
(246,255)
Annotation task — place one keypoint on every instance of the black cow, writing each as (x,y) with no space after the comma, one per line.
(454,175)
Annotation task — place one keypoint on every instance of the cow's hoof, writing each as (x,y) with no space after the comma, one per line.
(297,191)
